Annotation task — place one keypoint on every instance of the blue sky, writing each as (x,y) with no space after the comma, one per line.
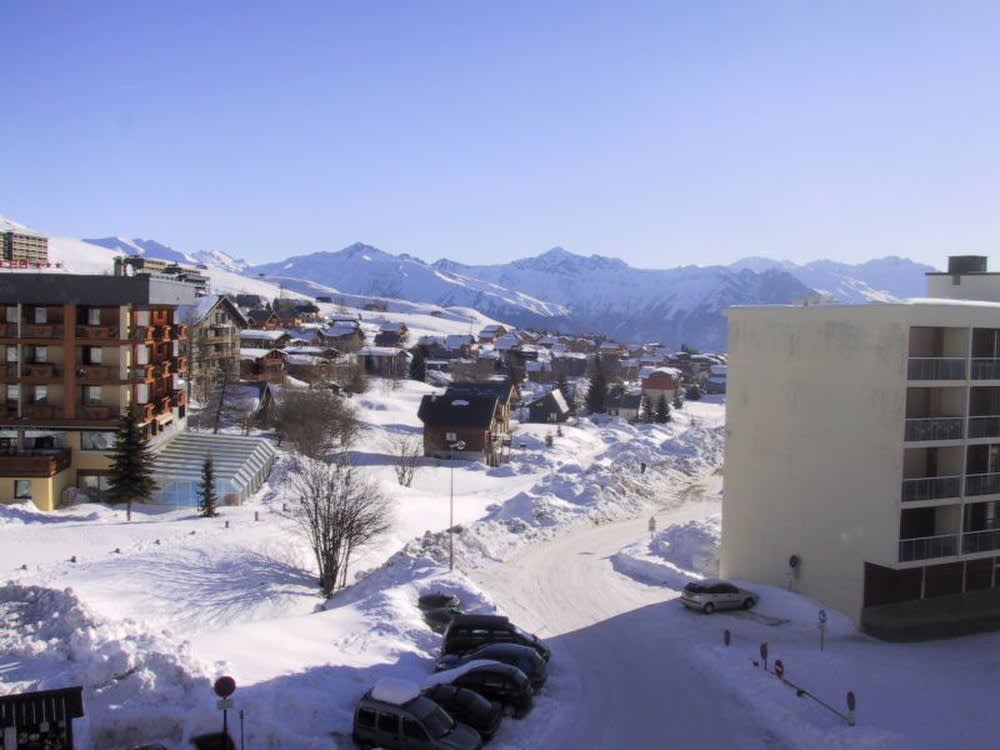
(661,133)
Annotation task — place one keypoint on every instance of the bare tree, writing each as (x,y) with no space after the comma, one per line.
(407,454)
(337,510)
(316,422)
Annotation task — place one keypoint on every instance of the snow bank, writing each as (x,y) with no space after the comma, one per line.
(675,556)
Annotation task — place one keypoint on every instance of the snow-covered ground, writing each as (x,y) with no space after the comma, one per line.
(147,614)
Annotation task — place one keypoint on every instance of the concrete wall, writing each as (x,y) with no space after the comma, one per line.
(973,287)
(813,466)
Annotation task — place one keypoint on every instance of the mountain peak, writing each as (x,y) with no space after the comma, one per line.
(559,259)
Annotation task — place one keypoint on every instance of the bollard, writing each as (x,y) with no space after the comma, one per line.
(763,654)
(227,524)
(118,550)
(156,542)
(256,515)
(73,559)
(284,508)
(850,707)
(726,636)
(779,669)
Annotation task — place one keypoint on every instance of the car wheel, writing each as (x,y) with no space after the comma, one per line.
(708,608)
(748,603)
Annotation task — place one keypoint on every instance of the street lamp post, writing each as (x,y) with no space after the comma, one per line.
(457,446)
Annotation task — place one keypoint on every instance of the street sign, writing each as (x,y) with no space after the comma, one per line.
(822,617)
(224,704)
(779,669)
(224,686)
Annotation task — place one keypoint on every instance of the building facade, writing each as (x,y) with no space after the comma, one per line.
(19,247)
(213,324)
(862,458)
(77,352)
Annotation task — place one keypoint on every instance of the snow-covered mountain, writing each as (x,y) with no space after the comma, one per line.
(149,248)
(880,280)
(220,259)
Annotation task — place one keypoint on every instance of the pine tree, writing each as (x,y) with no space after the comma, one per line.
(647,409)
(693,392)
(677,399)
(206,490)
(418,365)
(131,476)
(662,410)
(597,394)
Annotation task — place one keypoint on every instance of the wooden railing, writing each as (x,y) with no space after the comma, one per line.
(35,463)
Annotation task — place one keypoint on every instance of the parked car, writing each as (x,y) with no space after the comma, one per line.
(468,707)
(438,600)
(439,619)
(493,680)
(467,632)
(711,595)
(524,658)
(395,715)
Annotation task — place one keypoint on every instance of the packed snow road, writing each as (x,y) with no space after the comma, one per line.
(620,672)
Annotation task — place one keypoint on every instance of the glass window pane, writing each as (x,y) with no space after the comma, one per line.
(22,489)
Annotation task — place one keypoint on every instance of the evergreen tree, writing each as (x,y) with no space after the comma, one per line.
(418,365)
(647,410)
(693,392)
(597,394)
(131,476)
(677,399)
(567,392)
(662,410)
(206,490)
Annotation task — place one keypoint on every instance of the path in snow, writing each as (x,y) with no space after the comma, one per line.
(621,670)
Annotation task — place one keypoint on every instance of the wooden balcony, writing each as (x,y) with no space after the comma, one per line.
(95,411)
(39,331)
(178,398)
(147,412)
(35,463)
(42,411)
(105,333)
(40,371)
(98,373)
(180,331)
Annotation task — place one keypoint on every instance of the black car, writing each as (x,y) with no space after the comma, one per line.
(468,707)
(524,658)
(493,680)
(438,600)
(439,619)
(468,632)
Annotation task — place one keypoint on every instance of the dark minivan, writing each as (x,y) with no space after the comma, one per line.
(467,632)
(492,680)
(468,707)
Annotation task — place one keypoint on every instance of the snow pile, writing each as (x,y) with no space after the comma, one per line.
(20,514)
(138,685)
(675,556)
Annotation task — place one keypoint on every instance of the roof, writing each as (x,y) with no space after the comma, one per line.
(464,410)
(197,312)
(556,396)
(625,400)
(501,390)
(256,334)
(382,351)
(256,316)
(395,691)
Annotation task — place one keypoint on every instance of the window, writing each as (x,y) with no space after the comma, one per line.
(41,394)
(11,314)
(22,489)
(94,486)
(388,723)
(451,437)
(41,315)
(414,731)
(11,354)
(13,393)
(97,441)
(92,355)
(366,718)
(41,354)
(92,394)
(93,316)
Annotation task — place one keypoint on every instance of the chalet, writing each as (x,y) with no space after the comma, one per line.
(263,365)
(391,334)
(252,302)
(661,381)
(505,392)
(551,407)
(345,334)
(491,333)
(213,328)
(263,319)
(625,405)
(460,344)
(259,338)
(468,418)
(385,361)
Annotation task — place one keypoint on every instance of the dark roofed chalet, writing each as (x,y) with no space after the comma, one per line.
(470,418)
(506,393)
(551,407)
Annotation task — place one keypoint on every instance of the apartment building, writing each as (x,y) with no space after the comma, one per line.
(862,459)
(214,324)
(77,352)
(19,247)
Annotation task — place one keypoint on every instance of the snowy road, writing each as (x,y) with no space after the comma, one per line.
(621,677)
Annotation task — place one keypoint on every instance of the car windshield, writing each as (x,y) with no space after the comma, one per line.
(694,588)
(437,722)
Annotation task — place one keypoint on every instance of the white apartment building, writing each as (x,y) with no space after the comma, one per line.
(865,441)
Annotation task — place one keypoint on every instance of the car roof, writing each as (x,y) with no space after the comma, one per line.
(476,665)
(510,648)
(482,620)
(395,691)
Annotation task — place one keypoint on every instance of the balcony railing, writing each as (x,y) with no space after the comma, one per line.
(982,484)
(933,428)
(42,411)
(95,411)
(981,427)
(40,371)
(39,331)
(925,548)
(35,463)
(98,372)
(97,332)
(936,368)
(985,368)
(980,541)
(931,488)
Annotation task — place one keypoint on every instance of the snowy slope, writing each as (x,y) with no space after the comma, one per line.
(150,248)
(880,280)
